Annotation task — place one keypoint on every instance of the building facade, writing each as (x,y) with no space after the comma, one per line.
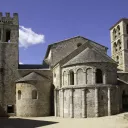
(77,78)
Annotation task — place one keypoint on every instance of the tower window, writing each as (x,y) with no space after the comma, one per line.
(115,47)
(118,29)
(117,59)
(7,36)
(0,34)
(114,33)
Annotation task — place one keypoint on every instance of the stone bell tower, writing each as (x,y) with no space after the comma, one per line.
(9,34)
(119,43)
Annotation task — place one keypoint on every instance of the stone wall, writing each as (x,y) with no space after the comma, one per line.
(63,48)
(86,101)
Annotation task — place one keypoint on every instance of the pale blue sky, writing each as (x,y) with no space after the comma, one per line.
(61,19)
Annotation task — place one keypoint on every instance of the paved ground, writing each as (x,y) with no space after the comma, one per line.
(116,121)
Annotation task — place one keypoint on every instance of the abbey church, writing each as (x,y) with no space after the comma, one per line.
(77,78)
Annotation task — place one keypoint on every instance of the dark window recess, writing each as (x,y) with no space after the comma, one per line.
(127,29)
(10,108)
(71,78)
(34,94)
(99,76)
(0,34)
(102,97)
(1,69)
(8,33)
(19,94)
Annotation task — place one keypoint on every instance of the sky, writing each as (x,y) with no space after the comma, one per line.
(43,22)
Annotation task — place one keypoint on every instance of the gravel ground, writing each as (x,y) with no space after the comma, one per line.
(116,121)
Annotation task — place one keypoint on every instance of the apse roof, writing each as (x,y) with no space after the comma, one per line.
(33,76)
(89,55)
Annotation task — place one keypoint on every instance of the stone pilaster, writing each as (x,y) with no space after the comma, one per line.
(94,76)
(75,79)
(62,102)
(109,101)
(83,103)
(85,74)
(96,103)
(55,101)
(105,78)
(71,104)
(68,75)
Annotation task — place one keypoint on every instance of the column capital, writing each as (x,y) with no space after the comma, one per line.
(84,89)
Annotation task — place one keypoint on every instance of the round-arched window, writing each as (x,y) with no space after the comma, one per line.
(34,94)
(19,94)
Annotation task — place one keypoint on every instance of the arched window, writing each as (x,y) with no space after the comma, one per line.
(117,59)
(114,33)
(71,77)
(34,94)
(80,77)
(114,47)
(19,94)
(119,44)
(118,29)
(99,76)
(64,78)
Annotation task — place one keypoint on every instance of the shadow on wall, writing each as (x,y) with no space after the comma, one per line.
(52,100)
(3,112)
(22,123)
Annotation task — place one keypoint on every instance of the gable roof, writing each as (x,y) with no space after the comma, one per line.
(90,54)
(55,44)
(33,76)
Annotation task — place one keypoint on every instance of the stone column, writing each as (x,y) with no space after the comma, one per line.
(105,78)
(94,76)
(75,78)
(55,101)
(109,101)
(84,103)
(96,103)
(71,103)
(85,78)
(68,78)
(62,102)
